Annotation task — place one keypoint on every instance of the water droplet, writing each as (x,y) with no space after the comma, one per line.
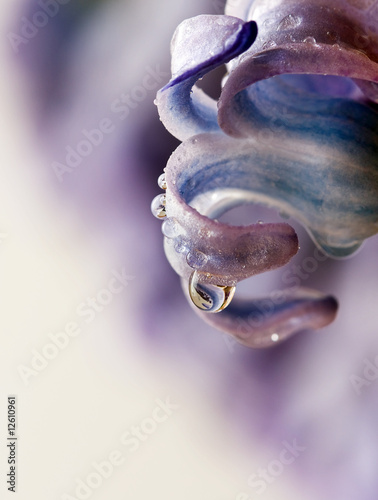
(275,337)
(181,245)
(210,298)
(260,222)
(310,39)
(171,228)
(162,182)
(196,259)
(269,45)
(158,206)
(289,22)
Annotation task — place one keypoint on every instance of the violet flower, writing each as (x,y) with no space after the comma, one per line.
(296,129)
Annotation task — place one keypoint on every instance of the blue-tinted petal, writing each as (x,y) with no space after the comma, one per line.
(199,45)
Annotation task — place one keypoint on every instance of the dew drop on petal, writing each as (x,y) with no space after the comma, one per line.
(310,39)
(158,206)
(289,22)
(207,297)
(181,245)
(171,228)
(275,337)
(162,181)
(269,45)
(196,259)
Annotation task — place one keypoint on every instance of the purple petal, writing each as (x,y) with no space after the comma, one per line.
(199,45)
(266,322)
(301,39)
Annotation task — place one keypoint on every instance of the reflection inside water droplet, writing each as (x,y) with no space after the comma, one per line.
(162,183)
(158,206)
(207,297)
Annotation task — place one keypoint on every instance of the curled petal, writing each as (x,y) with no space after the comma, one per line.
(199,45)
(296,130)
(300,38)
(218,255)
(333,197)
(196,195)
(266,322)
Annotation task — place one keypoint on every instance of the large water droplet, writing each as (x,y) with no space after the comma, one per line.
(210,298)
(162,183)
(310,39)
(289,22)
(158,206)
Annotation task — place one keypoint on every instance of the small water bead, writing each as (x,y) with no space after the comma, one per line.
(171,228)
(269,45)
(310,39)
(196,259)
(289,22)
(275,337)
(210,298)
(181,245)
(158,206)
(162,183)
